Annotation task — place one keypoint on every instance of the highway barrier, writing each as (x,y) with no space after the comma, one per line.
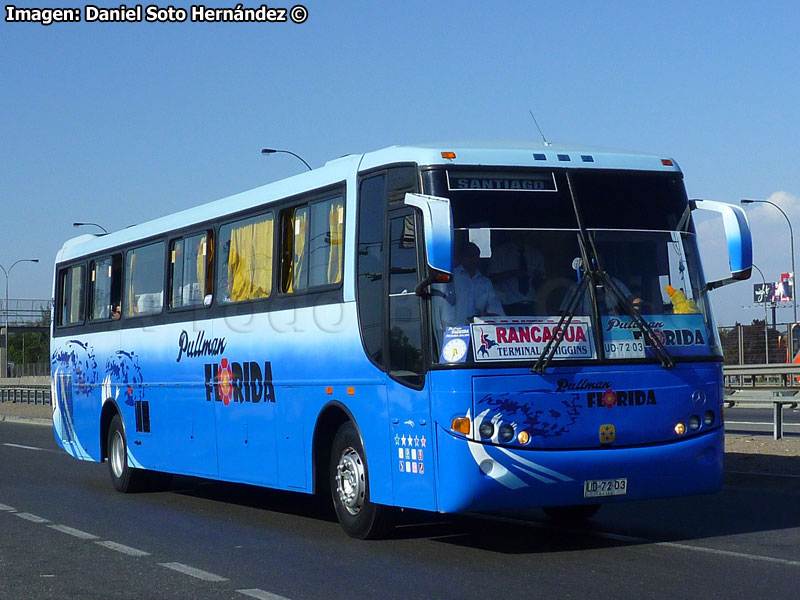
(25,393)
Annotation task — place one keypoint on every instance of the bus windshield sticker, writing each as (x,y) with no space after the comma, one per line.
(525,339)
(501,181)
(682,335)
(456,344)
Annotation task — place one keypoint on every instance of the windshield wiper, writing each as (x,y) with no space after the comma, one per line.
(636,317)
(595,275)
(549,351)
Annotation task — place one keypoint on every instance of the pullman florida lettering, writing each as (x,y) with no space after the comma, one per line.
(245,381)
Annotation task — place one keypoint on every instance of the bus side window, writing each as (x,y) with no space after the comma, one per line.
(190,271)
(105,289)
(72,292)
(371,213)
(405,329)
(312,245)
(245,264)
(144,280)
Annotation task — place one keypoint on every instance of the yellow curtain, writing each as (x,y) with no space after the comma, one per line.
(131,298)
(337,242)
(250,261)
(203,256)
(299,225)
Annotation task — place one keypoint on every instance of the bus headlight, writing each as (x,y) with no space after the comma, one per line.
(680,428)
(524,437)
(486,429)
(506,433)
(708,418)
(694,422)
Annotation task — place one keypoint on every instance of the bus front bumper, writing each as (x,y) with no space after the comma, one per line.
(476,477)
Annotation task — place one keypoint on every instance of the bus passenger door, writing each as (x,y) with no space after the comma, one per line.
(408,397)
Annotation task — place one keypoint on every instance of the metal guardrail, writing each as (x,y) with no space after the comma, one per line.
(779,376)
(776,385)
(25,394)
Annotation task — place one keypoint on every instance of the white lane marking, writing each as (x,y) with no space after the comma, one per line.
(74,532)
(7,507)
(122,548)
(32,448)
(770,559)
(261,594)
(635,540)
(30,517)
(192,572)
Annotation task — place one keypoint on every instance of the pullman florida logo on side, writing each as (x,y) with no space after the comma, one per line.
(246,381)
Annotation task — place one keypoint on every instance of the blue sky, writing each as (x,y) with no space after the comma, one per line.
(120,123)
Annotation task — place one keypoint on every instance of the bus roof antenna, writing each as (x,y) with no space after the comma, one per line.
(535,122)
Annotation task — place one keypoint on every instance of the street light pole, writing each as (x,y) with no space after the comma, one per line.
(7,273)
(791,241)
(766,334)
(82,223)
(297,156)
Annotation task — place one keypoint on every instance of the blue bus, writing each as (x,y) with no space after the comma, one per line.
(451,328)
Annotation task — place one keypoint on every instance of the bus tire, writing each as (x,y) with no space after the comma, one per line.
(571,514)
(349,481)
(125,478)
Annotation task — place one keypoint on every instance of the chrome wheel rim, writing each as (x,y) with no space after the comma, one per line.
(117,454)
(351,481)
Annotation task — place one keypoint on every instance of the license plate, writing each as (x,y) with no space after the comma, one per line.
(597,488)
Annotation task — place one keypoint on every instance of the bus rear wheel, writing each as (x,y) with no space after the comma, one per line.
(125,478)
(349,482)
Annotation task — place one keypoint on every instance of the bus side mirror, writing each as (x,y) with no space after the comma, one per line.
(437,229)
(740,243)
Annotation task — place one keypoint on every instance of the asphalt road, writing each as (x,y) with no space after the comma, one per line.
(65,533)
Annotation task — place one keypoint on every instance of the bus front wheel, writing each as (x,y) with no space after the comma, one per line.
(349,483)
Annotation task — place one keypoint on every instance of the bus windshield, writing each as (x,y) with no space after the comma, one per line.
(519,266)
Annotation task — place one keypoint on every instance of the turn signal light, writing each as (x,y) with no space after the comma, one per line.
(441,277)
(461,425)
(680,428)
(524,437)
(449,155)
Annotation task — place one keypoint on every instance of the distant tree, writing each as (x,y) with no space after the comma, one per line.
(34,347)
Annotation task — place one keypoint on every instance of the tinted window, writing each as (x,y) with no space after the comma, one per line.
(72,291)
(371,207)
(405,335)
(106,288)
(144,280)
(190,271)
(313,243)
(607,199)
